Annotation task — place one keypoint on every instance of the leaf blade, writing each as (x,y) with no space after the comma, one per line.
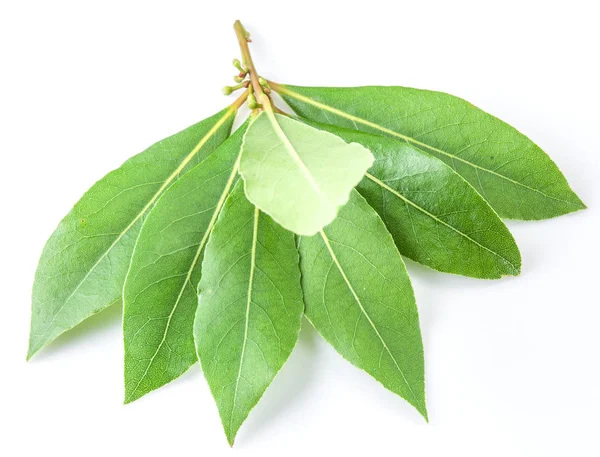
(435,217)
(297,183)
(83,264)
(243,339)
(165,269)
(355,265)
(511,172)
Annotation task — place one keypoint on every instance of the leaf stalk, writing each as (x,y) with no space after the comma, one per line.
(240,100)
(243,38)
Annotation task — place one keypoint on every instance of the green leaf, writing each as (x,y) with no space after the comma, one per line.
(159,296)
(511,172)
(297,174)
(84,263)
(435,217)
(250,307)
(359,297)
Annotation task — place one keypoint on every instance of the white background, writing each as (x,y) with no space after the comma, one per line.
(512,365)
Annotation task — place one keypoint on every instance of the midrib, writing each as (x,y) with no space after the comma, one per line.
(247,317)
(292,152)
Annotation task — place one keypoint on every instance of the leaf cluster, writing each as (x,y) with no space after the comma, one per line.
(218,243)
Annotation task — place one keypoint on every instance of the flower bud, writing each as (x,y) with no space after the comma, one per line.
(252,103)
(237,64)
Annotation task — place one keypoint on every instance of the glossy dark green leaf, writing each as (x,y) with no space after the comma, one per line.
(159,296)
(84,263)
(512,173)
(250,307)
(359,297)
(435,217)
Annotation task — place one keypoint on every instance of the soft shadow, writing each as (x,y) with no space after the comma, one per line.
(89,328)
(287,388)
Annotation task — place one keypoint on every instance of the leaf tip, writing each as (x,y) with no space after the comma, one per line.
(423,412)
(32,349)
(577,202)
(420,406)
(130,397)
(582,205)
(231,434)
(512,269)
(30,353)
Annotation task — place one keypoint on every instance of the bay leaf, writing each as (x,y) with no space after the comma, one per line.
(511,172)
(83,265)
(435,217)
(159,296)
(358,296)
(250,307)
(297,174)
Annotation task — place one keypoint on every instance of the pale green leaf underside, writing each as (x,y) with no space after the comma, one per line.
(297,174)
(159,296)
(435,217)
(359,297)
(511,172)
(250,307)
(84,263)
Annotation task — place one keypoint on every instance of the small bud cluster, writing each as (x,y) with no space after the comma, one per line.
(240,78)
